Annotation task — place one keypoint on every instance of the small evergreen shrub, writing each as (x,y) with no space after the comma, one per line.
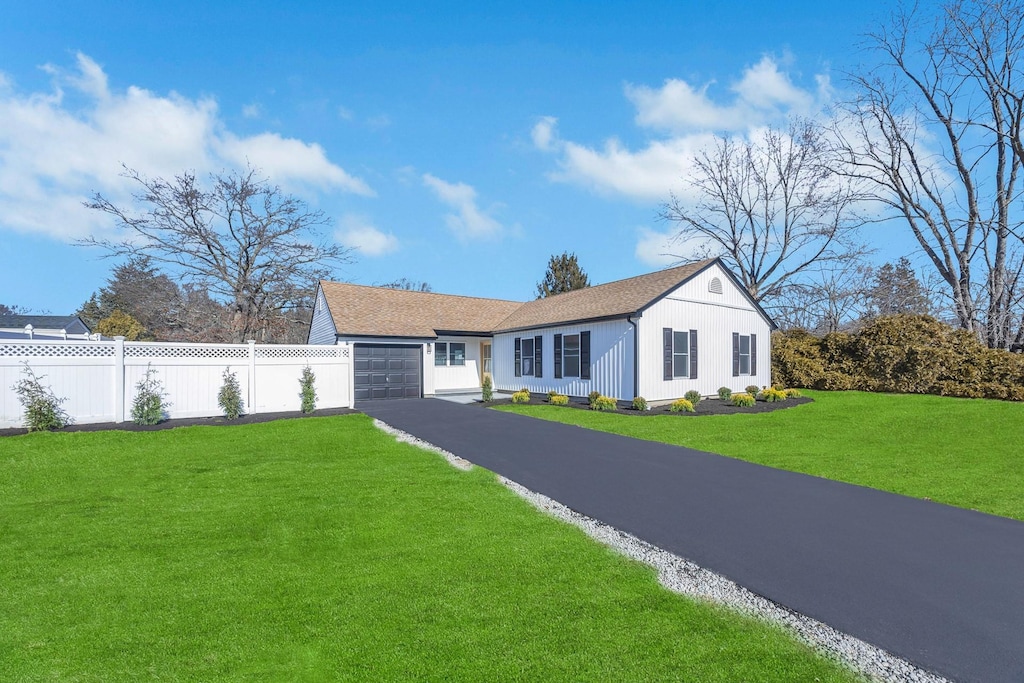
(307,390)
(604,403)
(559,400)
(693,396)
(593,396)
(724,393)
(743,400)
(793,393)
(149,404)
(487,389)
(552,394)
(681,405)
(639,403)
(521,396)
(772,395)
(43,409)
(229,398)
(753,389)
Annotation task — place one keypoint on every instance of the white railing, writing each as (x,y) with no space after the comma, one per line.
(99,379)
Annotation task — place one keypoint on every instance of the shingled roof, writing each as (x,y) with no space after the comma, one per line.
(51,322)
(380,312)
(612,300)
(359,310)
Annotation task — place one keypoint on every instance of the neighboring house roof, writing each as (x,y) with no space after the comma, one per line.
(612,300)
(380,312)
(43,322)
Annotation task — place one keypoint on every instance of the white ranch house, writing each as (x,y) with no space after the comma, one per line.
(657,335)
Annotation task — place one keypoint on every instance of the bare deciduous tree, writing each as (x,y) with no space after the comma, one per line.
(830,297)
(771,207)
(241,240)
(934,136)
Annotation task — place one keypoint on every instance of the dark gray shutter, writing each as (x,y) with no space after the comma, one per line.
(519,357)
(558,356)
(666,333)
(693,354)
(753,354)
(538,367)
(584,355)
(735,354)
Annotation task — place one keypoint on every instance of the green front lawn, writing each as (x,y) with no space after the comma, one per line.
(322,549)
(964,452)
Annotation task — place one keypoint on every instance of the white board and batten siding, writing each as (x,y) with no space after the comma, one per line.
(455,378)
(611,361)
(697,305)
(321,326)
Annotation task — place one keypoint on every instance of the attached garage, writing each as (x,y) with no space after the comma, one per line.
(387,371)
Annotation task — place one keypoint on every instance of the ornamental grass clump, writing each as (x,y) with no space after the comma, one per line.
(604,403)
(521,396)
(229,398)
(149,406)
(724,393)
(487,389)
(559,400)
(743,400)
(43,409)
(640,403)
(681,405)
(307,390)
(772,395)
(693,396)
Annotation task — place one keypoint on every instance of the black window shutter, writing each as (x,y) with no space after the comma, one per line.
(519,357)
(584,355)
(538,367)
(753,354)
(558,356)
(667,337)
(693,354)
(735,354)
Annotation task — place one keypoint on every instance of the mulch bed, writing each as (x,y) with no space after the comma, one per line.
(709,406)
(188,422)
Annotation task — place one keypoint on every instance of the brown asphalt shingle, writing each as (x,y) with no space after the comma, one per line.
(377,311)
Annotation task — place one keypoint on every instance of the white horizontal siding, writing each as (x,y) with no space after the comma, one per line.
(321,327)
(715,317)
(611,361)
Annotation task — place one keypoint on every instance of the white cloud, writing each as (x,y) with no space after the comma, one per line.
(663,249)
(356,232)
(252,111)
(54,154)
(469,221)
(345,113)
(688,117)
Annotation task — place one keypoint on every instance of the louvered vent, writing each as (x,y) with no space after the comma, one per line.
(715,286)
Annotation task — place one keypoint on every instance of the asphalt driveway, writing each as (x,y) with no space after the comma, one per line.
(939,586)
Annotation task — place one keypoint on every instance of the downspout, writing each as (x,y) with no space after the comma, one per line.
(636,356)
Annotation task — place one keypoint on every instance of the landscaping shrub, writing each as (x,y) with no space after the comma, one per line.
(639,403)
(552,394)
(724,393)
(693,397)
(604,403)
(743,400)
(559,400)
(772,395)
(753,389)
(793,393)
(43,409)
(307,390)
(149,404)
(487,389)
(681,405)
(521,396)
(796,359)
(593,396)
(229,398)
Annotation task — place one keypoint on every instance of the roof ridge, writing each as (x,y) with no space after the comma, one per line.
(413,291)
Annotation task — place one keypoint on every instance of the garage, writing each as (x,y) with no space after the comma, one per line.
(387,371)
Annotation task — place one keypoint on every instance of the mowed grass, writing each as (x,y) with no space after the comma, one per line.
(321,549)
(963,452)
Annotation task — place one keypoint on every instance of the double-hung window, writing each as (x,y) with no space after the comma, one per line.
(571,355)
(679,354)
(449,353)
(527,356)
(744,354)
(441,353)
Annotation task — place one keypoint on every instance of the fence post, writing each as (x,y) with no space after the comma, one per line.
(119,391)
(348,353)
(252,376)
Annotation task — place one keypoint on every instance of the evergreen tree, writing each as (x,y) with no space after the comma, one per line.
(563,275)
(121,324)
(896,289)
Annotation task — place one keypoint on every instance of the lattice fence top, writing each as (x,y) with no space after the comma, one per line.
(57,350)
(297,351)
(185,351)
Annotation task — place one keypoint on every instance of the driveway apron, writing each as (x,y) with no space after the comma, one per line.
(939,586)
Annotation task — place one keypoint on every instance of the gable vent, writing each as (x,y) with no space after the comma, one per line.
(715,286)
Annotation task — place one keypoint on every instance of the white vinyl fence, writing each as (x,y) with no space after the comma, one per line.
(98,379)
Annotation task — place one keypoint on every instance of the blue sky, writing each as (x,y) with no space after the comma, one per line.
(457,144)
